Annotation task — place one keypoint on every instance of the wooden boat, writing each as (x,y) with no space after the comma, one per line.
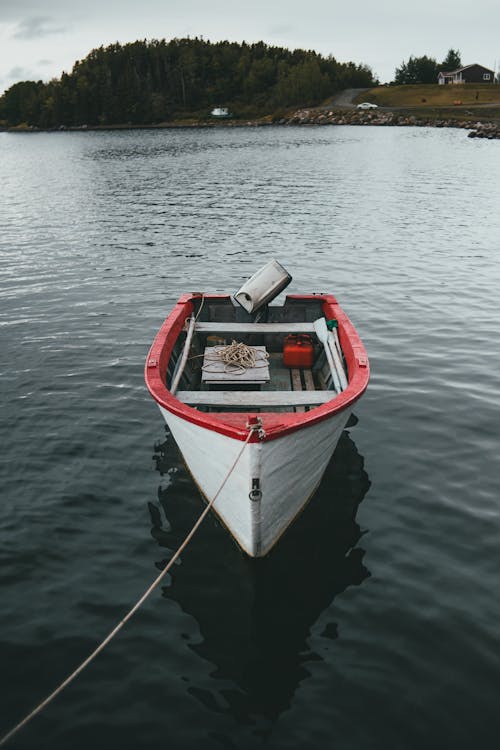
(296,411)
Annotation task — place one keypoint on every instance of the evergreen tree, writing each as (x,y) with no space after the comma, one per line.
(452,61)
(417,70)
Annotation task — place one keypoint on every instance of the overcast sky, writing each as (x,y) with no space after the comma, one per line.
(39,39)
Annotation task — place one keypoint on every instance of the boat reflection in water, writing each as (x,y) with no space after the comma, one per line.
(254,615)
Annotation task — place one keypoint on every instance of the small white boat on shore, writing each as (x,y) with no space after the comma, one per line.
(290,374)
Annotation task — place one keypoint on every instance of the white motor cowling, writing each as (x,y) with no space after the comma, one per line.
(263,287)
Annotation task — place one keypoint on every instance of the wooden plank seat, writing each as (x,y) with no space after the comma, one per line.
(257,399)
(232,327)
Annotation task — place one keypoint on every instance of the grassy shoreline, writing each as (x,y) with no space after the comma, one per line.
(428,96)
(436,117)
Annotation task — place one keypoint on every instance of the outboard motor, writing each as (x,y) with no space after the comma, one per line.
(263,286)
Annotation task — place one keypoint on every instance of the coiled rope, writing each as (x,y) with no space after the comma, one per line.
(237,358)
(257,427)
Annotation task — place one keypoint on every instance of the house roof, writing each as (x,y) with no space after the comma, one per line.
(465,67)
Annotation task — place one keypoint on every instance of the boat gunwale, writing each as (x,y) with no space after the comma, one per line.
(276,424)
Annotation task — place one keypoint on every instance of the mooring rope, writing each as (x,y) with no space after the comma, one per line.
(201,306)
(237,358)
(251,429)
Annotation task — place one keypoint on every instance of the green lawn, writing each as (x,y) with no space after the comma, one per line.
(432,95)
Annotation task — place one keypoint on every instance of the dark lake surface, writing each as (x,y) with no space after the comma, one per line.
(375,622)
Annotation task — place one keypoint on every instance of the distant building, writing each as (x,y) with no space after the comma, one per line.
(220,112)
(469,74)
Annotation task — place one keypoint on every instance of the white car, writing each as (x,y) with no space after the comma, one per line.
(367,105)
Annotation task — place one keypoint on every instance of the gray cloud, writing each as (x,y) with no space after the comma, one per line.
(18,74)
(36,27)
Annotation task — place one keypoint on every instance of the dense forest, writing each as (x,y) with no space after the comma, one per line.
(156,81)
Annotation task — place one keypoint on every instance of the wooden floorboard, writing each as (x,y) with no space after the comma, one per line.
(288,389)
(309,380)
(297,385)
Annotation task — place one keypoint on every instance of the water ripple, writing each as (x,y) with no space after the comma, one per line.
(375,623)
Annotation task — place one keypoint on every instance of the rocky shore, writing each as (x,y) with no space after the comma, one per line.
(382,117)
(478,129)
(489,130)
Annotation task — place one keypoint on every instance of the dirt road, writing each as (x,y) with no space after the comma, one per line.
(345,98)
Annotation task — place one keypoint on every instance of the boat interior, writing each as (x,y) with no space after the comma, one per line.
(291,369)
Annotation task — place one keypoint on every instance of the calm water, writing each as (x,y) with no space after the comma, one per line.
(375,623)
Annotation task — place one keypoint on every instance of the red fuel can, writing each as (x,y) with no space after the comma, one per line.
(298,351)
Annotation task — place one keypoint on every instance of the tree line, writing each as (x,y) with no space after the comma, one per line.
(147,82)
(426,69)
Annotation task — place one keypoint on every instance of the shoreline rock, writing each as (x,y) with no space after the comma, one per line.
(381,118)
(490,130)
(389,118)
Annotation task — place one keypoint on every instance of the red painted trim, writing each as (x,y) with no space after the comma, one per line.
(234,424)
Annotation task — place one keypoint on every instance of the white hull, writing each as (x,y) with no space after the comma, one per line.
(286,470)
